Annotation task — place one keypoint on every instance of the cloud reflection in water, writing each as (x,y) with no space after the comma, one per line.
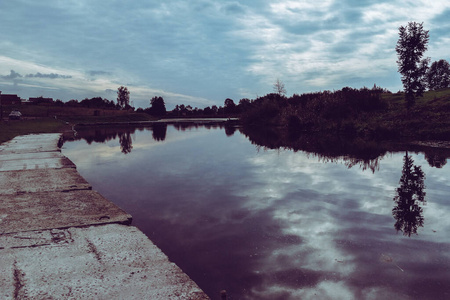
(275,224)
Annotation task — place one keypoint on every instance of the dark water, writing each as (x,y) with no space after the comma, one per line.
(279,223)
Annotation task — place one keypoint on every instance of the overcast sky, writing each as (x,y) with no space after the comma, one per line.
(200,52)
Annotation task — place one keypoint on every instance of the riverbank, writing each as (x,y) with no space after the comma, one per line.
(200,121)
(55,119)
(10,129)
(60,239)
(365,113)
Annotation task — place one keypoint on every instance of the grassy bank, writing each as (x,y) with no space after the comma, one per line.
(48,119)
(368,113)
(11,129)
(429,118)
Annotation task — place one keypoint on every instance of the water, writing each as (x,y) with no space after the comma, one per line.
(276,223)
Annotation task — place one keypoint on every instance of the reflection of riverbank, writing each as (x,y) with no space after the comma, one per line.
(353,150)
(102,133)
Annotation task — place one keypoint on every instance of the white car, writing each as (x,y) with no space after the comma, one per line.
(15,115)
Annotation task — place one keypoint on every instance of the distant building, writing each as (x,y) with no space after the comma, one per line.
(10,99)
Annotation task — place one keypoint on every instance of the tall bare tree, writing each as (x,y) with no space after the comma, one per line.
(279,88)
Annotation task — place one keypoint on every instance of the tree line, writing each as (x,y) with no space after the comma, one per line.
(314,111)
(417,76)
(307,110)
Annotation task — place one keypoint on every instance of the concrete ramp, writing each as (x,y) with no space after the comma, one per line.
(42,180)
(41,189)
(48,210)
(32,143)
(99,262)
(59,239)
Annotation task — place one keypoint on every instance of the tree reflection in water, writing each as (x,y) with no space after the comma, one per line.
(410,195)
(327,148)
(230,130)
(100,134)
(159,131)
(126,144)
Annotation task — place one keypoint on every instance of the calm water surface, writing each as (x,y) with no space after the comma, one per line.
(274,224)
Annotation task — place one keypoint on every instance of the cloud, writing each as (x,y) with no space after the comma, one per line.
(81,85)
(12,75)
(210,49)
(233,8)
(329,44)
(96,73)
(50,76)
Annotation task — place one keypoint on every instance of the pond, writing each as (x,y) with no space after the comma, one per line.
(240,212)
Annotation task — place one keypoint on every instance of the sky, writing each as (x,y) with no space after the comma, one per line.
(200,52)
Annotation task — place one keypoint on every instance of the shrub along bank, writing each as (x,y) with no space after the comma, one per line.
(372,113)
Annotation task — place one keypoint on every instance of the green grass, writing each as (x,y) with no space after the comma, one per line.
(11,129)
(429,117)
(388,118)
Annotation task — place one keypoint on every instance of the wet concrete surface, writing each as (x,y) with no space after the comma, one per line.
(59,239)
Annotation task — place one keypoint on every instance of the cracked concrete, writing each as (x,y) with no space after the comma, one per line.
(59,239)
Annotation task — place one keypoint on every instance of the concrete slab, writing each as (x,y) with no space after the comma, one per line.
(35,163)
(30,155)
(61,240)
(32,143)
(99,262)
(31,152)
(47,210)
(41,180)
